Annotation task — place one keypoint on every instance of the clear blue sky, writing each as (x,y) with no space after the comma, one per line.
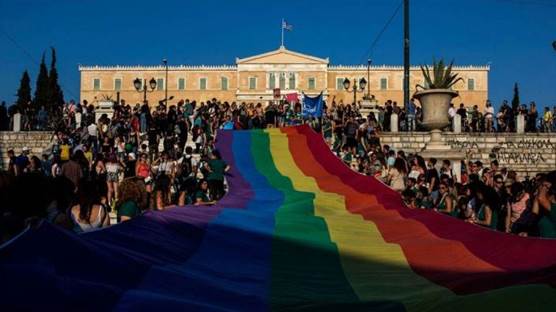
(514,36)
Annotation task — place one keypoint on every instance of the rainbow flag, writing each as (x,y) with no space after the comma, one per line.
(298,230)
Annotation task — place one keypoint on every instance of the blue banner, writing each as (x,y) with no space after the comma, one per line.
(312,106)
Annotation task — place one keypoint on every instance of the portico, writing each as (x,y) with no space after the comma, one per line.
(289,71)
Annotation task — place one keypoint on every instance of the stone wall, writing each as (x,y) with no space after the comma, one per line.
(527,154)
(37,141)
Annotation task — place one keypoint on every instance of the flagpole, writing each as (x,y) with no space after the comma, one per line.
(282,27)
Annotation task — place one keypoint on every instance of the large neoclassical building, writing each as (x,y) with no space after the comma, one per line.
(253,79)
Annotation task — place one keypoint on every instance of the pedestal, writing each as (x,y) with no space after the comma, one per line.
(436,148)
(457,123)
(104,108)
(365,108)
(394,123)
(17,122)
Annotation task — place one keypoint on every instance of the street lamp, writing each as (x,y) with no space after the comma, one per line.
(165,62)
(369,61)
(141,86)
(362,85)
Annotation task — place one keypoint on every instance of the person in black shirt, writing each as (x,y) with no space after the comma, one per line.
(432,179)
(172,119)
(129,170)
(4,120)
(532,116)
(181,131)
(350,132)
(475,116)
(270,116)
(463,113)
(387,114)
(152,135)
(338,129)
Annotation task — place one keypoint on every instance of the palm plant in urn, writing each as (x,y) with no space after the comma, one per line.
(436,95)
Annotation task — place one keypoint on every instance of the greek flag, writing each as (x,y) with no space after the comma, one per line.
(312,106)
(286,26)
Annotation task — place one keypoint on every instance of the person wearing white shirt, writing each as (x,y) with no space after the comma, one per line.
(488,113)
(452,113)
(92,130)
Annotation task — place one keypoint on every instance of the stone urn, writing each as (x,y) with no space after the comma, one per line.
(435,104)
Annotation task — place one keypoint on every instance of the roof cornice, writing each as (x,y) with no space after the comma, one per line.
(399,67)
(234,67)
(158,67)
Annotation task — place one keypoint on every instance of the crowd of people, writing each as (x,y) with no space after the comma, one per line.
(410,117)
(484,194)
(473,120)
(142,158)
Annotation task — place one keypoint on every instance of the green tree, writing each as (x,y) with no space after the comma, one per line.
(41,91)
(55,94)
(515,100)
(24,91)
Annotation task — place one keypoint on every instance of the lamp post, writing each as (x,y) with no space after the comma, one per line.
(354,89)
(165,62)
(141,86)
(369,61)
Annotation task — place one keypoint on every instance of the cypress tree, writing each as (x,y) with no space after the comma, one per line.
(515,100)
(41,91)
(24,91)
(55,94)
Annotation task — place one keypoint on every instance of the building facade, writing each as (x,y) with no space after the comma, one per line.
(253,79)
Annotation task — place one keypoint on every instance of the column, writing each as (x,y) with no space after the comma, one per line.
(17,122)
(394,123)
(520,125)
(457,123)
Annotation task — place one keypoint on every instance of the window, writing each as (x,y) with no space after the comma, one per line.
(282,81)
(96,84)
(203,84)
(292,81)
(181,84)
(252,83)
(383,83)
(339,83)
(271,81)
(470,84)
(117,84)
(311,83)
(160,84)
(224,83)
